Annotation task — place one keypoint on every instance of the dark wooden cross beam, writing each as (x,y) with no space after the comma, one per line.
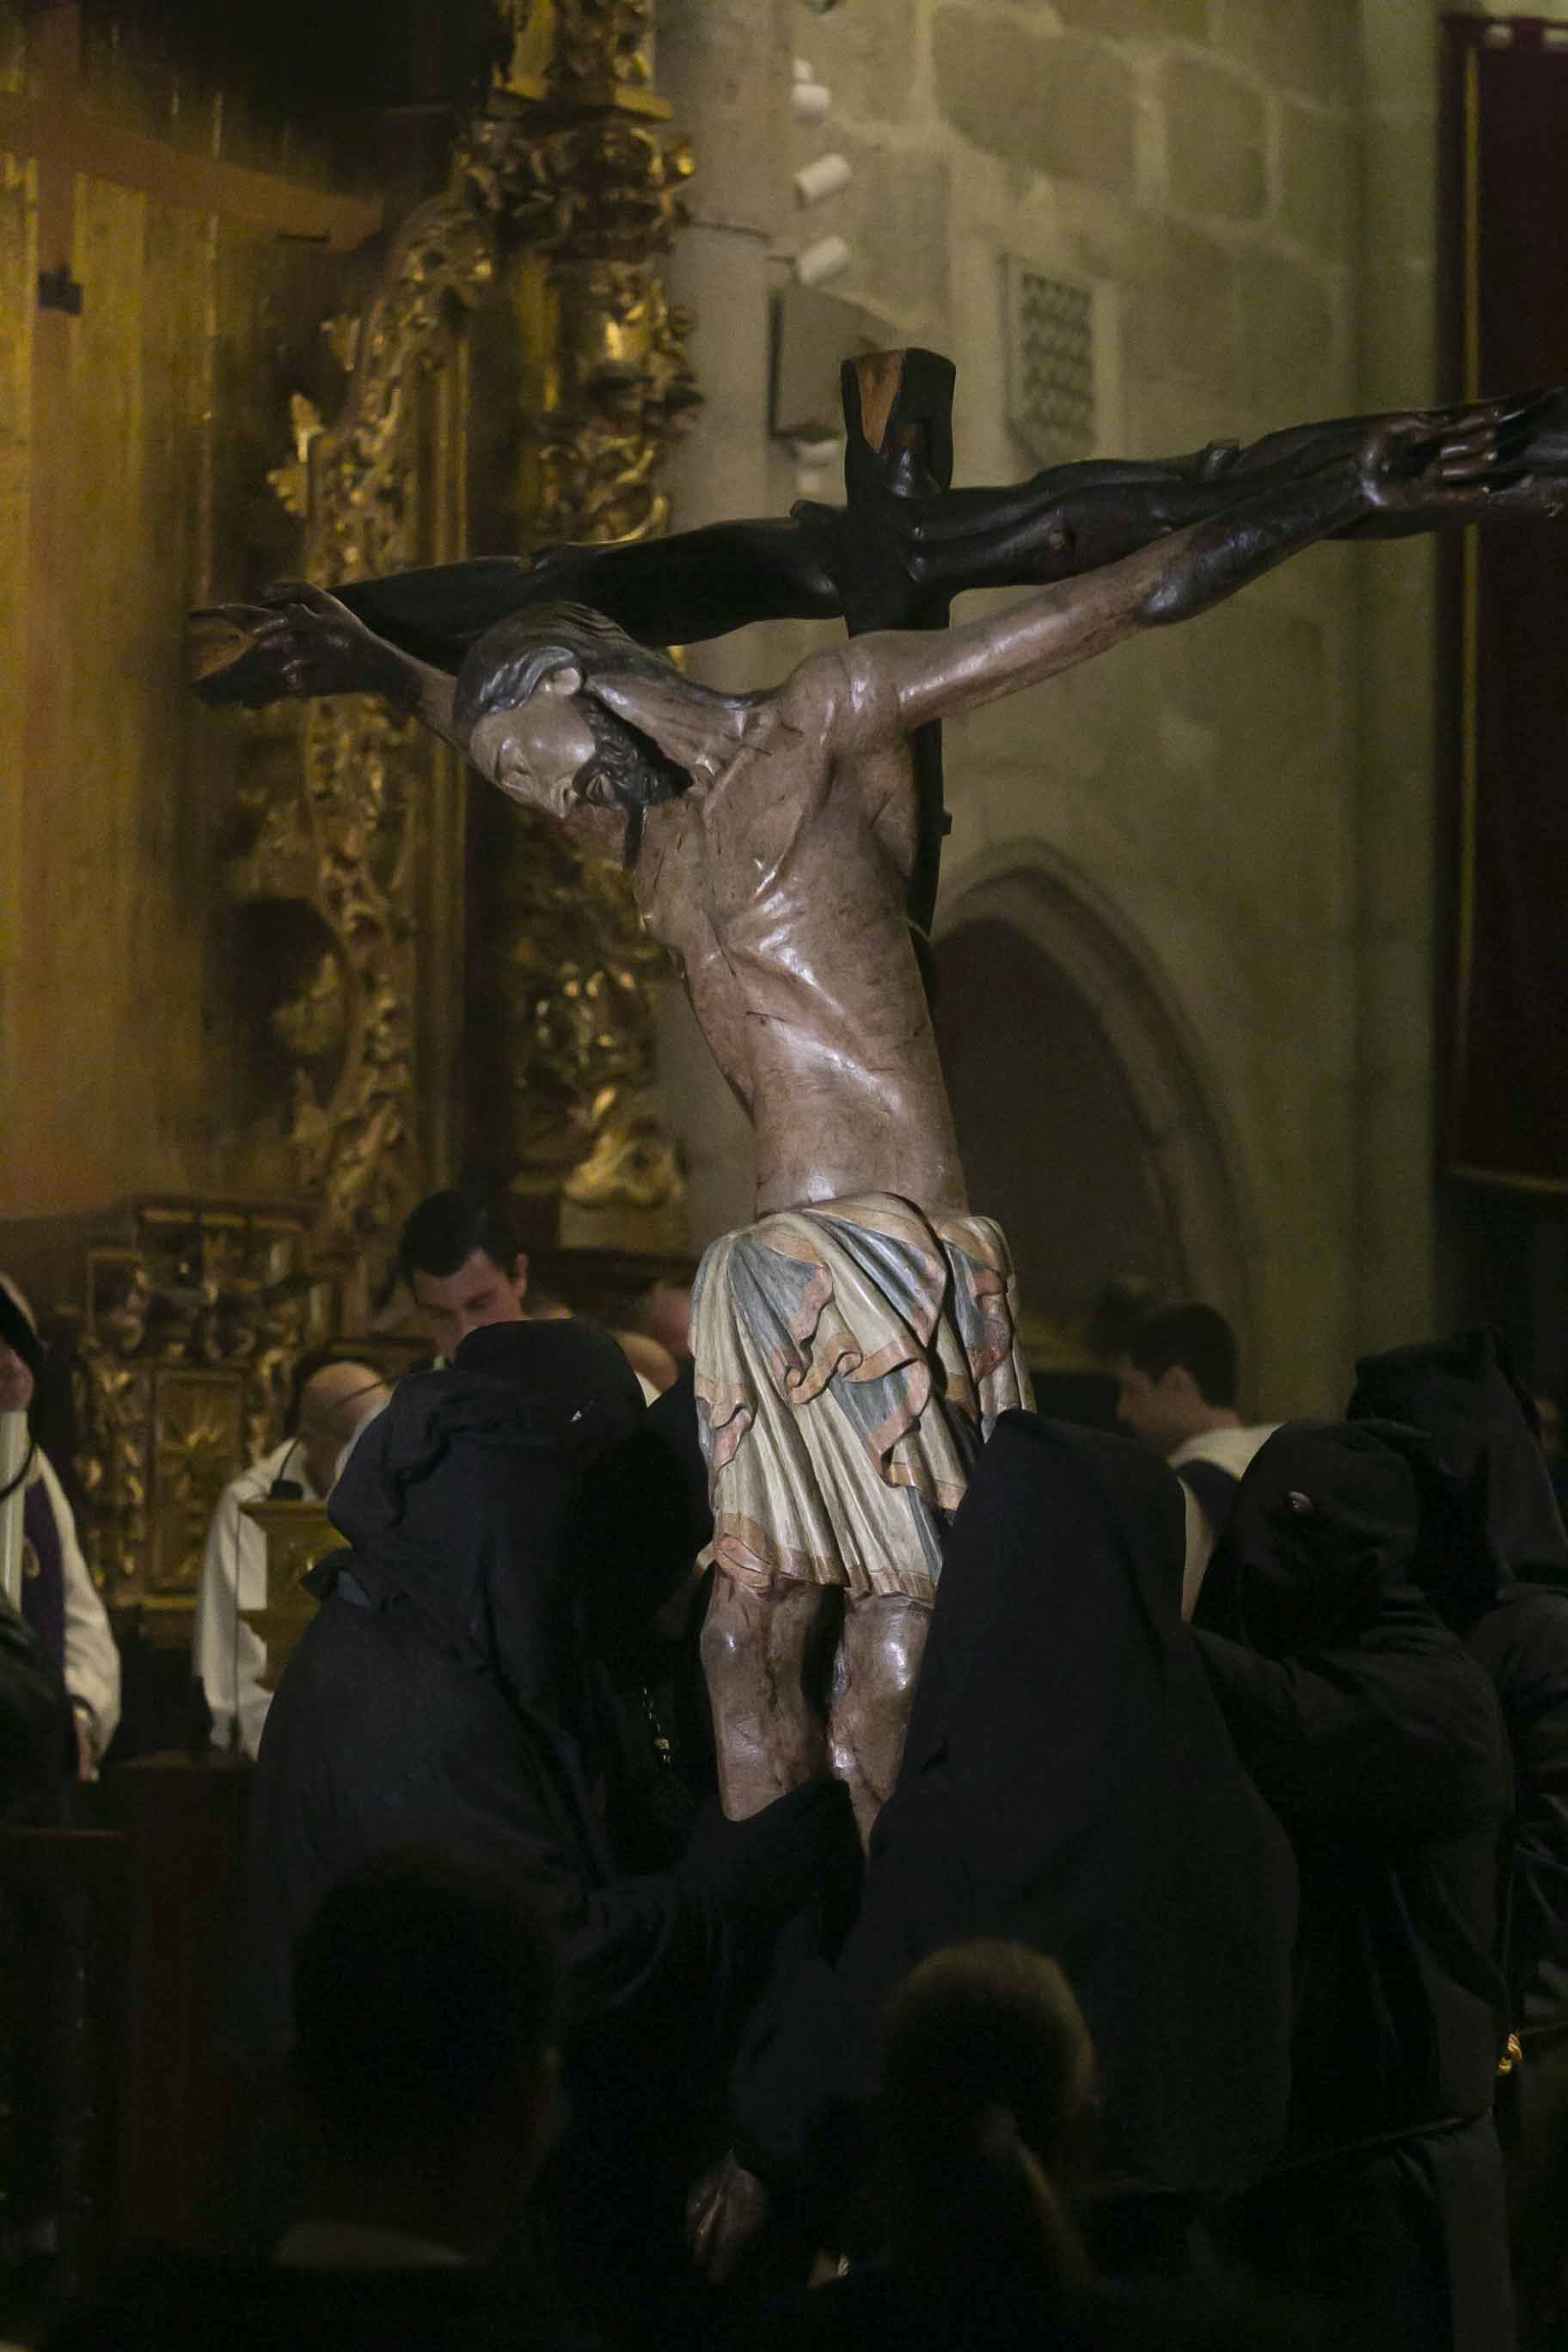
(898,416)
(895,556)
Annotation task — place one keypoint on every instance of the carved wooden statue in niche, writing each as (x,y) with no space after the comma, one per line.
(853,1346)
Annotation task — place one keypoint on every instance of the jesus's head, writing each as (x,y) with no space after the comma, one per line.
(525,705)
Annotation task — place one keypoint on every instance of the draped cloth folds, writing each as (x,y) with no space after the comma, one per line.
(852,1358)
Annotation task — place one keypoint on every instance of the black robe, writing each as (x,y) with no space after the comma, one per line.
(438,1698)
(1494,1562)
(37,1736)
(1377,1740)
(1067,1782)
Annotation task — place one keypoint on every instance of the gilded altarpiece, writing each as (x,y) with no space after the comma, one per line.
(240,948)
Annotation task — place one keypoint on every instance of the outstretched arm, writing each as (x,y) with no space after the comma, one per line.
(900,682)
(1069,520)
(700,583)
(300,642)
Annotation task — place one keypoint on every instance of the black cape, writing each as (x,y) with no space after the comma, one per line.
(440,1694)
(1067,1782)
(1377,1740)
(434,1700)
(1494,1562)
(37,1740)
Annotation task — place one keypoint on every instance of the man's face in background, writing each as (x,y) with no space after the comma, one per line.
(1163,1412)
(480,1293)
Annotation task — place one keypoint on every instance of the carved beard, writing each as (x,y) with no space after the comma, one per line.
(627,770)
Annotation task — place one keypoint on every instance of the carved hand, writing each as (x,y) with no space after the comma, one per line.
(723,2214)
(1453,458)
(298,641)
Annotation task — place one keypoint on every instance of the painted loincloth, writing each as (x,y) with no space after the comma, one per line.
(852,1361)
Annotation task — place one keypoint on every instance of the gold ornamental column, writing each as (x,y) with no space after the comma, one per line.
(299,1536)
(606,386)
(562,201)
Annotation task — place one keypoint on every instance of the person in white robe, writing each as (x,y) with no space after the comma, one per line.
(335,1396)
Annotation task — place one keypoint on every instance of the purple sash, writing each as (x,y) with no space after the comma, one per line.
(43,1571)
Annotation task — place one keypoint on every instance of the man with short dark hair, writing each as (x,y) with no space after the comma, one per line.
(464,1269)
(1181,1378)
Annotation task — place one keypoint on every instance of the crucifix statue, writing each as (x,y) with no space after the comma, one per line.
(854,1343)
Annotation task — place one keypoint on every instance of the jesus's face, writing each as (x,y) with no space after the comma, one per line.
(537,751)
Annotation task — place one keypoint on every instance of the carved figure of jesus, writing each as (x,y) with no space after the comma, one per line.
(853,1345)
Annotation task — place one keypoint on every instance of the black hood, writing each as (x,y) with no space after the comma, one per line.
(1069,1782)
(459,1500)
(1319,1545)
(1489,1517)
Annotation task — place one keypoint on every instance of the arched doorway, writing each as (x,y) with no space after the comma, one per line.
(1085,1123)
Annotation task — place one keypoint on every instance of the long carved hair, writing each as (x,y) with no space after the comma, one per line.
(511,661)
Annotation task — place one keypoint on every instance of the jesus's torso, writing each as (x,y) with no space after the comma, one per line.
(781,886)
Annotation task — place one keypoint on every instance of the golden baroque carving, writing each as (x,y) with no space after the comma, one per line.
(581,971)
(187,1341)
(583,48)
(299,1536)
(626,387)
(361,516)
(567,162)
(348,842)
(366,771)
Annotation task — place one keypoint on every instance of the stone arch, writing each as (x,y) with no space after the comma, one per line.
(1153,1093)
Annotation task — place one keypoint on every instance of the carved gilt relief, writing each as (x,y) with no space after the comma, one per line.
(563,198)
(187,1339)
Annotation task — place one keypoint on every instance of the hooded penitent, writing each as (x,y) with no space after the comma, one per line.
(1068,1782)
(1494,1560)
(465,1500)
(439,1693)
(1489,1516)
(1376,1739)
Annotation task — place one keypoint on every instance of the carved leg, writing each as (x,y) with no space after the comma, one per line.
(758,1648)
(873,1686)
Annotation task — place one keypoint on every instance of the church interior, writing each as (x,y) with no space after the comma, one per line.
(1245,955)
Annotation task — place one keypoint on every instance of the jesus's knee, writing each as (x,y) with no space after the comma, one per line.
(757,1646)
(762,1638)
(884,1642)
(873,1690)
